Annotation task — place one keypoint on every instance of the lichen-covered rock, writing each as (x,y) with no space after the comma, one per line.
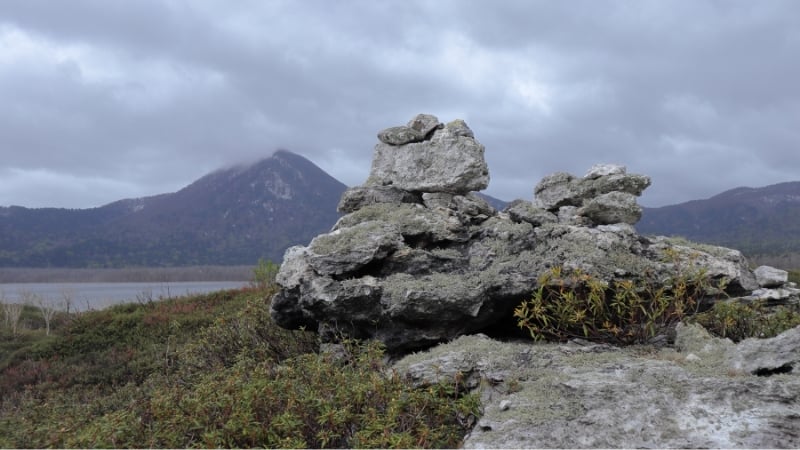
(557,190)
(355,198)
(765,357)
(596,396)
(450,161)
(524,211)
(471,208)
(718,263)
(605,195)
(418,258)
(418,129)
(347,250)
(612,207)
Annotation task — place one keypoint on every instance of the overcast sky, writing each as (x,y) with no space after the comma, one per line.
(103,100)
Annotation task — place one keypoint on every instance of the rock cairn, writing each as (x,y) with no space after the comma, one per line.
(419,258)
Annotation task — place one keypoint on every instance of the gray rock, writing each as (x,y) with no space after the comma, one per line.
(774,297)
(770,277)
(718,263)
(765,357)
(418,129)
(557,190)
(420,227)
(628,183)
(357,197)
(347,250)
(693,339)
(596,396)
(425,124)
(418,259)
(524,211)
(612,207)
(602,170)
(606,195)
(470,208)
(450,161)
(400,135)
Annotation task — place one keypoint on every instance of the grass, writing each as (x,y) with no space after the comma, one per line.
(209,370)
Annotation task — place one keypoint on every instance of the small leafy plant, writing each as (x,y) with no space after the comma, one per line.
(578,305)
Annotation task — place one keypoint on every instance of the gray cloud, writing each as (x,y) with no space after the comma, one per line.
(105,100)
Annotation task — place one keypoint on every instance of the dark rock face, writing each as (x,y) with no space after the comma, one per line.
(418,258)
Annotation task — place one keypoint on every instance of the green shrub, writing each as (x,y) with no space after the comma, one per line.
(794,276)
(311,400)
(248,334)
(264,274)
(738,321)
(213,370)
(577,305)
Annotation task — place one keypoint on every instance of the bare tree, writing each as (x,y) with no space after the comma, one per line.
(48,311)
(47,308)
(13,311)
(67,295)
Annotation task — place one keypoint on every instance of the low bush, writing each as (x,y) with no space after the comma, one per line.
(212,370)
(738,321)
(311,401)
(577,305)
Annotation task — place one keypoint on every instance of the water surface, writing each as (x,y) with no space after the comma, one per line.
(87,296)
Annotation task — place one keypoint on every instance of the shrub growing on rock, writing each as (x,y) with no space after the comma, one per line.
(738,321)
(573,304)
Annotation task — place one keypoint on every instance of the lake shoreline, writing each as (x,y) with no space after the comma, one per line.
(125,275)
(85,296)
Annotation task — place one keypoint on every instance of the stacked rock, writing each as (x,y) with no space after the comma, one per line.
(605,195)
(418,257)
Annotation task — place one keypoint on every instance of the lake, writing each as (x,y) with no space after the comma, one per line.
(87,296)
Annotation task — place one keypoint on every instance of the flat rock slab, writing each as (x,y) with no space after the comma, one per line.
(597,396)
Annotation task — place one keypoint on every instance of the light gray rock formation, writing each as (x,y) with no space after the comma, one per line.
(595,396)
(778,355)
(612,207)
(448,160)
(605,195)
(770,277)
(775,289)
(355,198)
(418,129)
(418,258)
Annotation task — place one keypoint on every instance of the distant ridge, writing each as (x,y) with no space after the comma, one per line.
(231,216)
(758,221)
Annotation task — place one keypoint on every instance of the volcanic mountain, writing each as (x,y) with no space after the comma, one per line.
(231,216)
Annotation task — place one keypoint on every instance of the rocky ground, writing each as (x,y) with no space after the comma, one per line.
(704,392)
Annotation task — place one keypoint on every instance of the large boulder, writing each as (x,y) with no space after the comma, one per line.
(418,258)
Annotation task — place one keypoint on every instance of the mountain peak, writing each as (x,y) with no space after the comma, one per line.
(234,215)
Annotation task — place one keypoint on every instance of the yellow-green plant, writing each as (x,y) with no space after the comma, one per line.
(738,321)
(574,304)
